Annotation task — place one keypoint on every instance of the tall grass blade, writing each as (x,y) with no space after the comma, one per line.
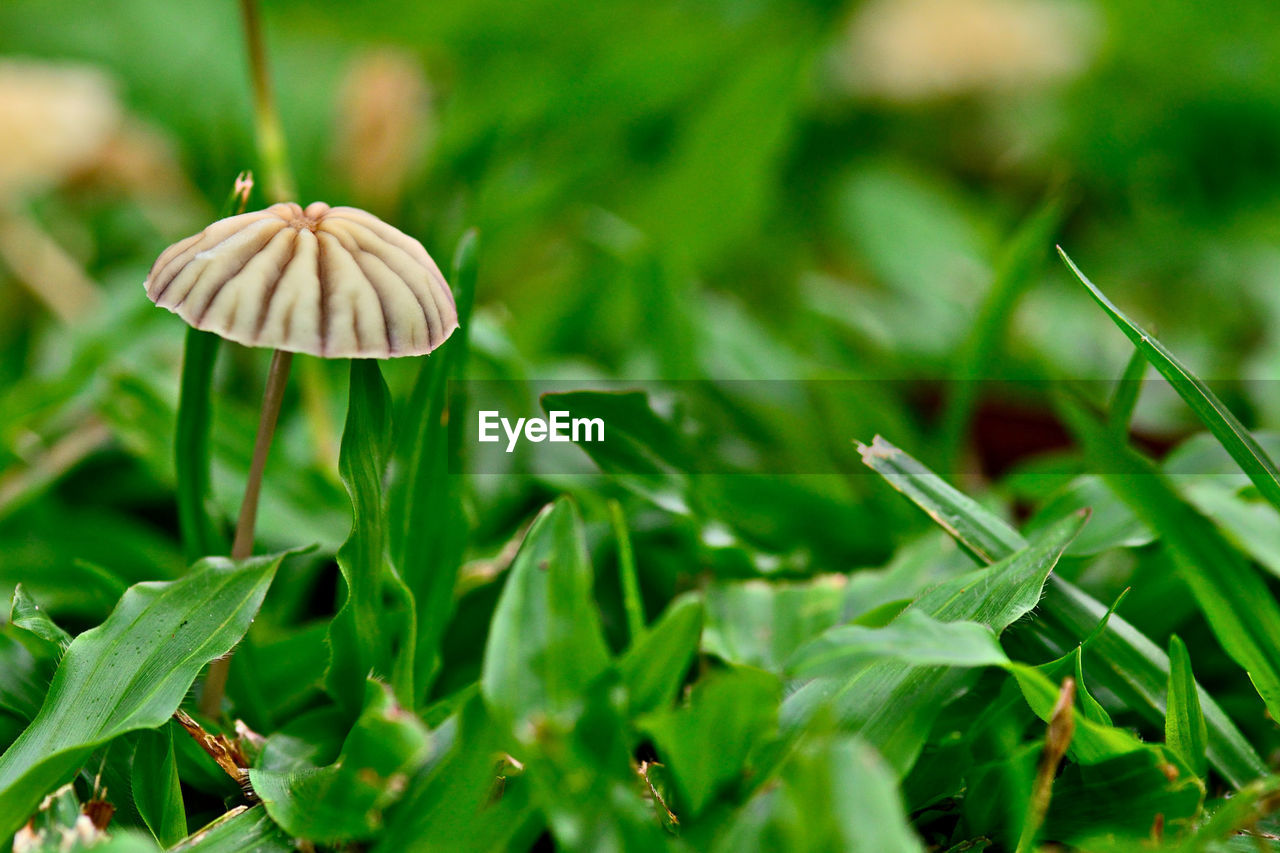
(1224,425)
(1020,260)
(429,521)
(374,630)
(200,537)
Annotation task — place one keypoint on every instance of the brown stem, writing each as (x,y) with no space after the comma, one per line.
(216,682)
(277,376)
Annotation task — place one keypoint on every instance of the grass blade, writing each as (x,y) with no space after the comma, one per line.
(545,642)
(130,673)
(200,537)
(1235,601)
(1124,398)
(631,602)
(238,830)
(1224,425)
(157,793)
(1125,662)
(374,630)
(654,665)
(975,529)
(1184,727)
(429,522)
(706,742)
(26,614)
(1019,262)
(862,810)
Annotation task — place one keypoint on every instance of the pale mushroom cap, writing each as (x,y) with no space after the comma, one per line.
(336,282)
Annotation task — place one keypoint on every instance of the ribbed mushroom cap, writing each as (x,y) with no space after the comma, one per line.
(330,281)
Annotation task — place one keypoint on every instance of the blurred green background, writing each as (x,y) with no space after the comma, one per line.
(725,189)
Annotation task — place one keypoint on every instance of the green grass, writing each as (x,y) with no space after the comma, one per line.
(890,546)
(912,716)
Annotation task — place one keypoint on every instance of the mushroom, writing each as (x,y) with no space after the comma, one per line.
(334,282)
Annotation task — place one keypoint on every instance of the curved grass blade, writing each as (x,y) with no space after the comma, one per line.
(1124,398)
(130,673)
(706,743)
(26,614)
(1126,662)
(862,809)
(374,630)
(451,805)
(976,529)
(654,665)
(1211,411)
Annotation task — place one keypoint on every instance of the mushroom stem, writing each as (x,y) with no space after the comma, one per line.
(215,684)
(277,376)
(279,180)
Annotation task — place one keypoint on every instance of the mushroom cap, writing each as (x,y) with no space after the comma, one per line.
(336,282)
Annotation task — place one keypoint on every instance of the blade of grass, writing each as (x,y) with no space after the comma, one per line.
(1020,260)
(545,643)
(654,665)
(1124,398)
(862,813)
(1234,599)
(191,456)
(200,537)
(157,793)
(1125,662)
(429,521)
(631,602)
(26,614)
(374,630)
(1224,425)
(1184,727)
(236,831)
(345,800)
